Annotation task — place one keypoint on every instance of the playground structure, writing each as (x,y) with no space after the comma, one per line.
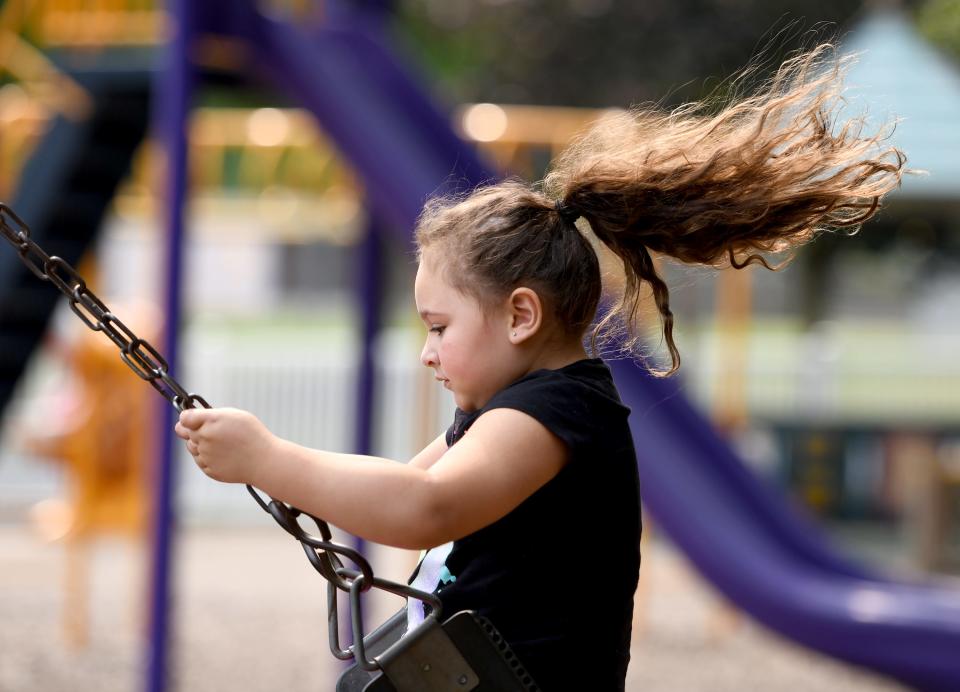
(770,562)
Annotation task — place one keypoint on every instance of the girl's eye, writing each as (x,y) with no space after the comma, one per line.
(437,329)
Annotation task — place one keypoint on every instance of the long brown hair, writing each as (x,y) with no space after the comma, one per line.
(763,174)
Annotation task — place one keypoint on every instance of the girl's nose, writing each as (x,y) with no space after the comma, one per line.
(428,356)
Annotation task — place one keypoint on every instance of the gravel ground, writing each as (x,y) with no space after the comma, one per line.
(250,615)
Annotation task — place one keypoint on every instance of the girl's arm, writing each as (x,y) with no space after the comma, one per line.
(429,455)
(504,459)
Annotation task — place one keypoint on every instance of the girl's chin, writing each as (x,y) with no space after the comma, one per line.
(464,404)
(467,405)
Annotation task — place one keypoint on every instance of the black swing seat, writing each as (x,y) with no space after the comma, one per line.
(465,653)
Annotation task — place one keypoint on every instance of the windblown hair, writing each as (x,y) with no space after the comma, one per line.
(764,174)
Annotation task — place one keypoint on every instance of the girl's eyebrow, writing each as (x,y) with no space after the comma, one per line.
(430,313)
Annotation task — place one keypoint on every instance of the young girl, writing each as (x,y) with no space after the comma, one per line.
(535,483)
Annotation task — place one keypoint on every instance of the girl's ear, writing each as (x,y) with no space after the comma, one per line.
(525,313)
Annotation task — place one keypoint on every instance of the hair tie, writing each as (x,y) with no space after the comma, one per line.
(566,212)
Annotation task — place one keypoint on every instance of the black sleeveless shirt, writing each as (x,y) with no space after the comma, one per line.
(556,576)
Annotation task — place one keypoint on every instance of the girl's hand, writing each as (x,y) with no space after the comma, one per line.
(228,444)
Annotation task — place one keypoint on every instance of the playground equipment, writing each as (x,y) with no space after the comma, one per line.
(768,560)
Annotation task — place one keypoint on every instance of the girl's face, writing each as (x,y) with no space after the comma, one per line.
(468,348)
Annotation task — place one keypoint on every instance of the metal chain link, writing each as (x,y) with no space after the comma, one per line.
(141,357)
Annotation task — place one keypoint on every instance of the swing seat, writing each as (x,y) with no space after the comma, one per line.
(464,653)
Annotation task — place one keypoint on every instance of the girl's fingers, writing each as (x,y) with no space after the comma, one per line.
(193,448)
(192,418)
(181,431)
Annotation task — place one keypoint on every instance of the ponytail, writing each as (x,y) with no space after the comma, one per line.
(765,174)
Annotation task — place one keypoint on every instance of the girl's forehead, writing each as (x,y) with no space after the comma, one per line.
(426,273)
(432,269)
(430,283)
(430,256)
(436,295)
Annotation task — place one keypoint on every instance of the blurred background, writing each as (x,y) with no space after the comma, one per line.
(836,380)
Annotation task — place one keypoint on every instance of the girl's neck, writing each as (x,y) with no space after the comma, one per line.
(553,354)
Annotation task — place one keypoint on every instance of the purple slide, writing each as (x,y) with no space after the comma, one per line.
(741,534)
(746,539)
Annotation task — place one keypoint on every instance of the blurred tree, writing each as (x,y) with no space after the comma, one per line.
(939,20)
(609,52)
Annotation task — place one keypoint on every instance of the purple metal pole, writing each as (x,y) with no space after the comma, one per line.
(173,90)
(368,286)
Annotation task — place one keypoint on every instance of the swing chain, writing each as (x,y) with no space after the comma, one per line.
(141,357)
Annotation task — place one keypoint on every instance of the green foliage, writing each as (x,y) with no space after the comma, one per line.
(939,21)
(608,52)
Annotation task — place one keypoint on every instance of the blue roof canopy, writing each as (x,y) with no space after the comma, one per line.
(899,75)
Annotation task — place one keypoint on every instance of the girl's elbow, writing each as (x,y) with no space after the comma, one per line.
(415,541)
(434,522)
(418,535)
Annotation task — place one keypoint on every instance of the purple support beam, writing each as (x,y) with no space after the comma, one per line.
(369,292)
(174,88)
(369,289)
